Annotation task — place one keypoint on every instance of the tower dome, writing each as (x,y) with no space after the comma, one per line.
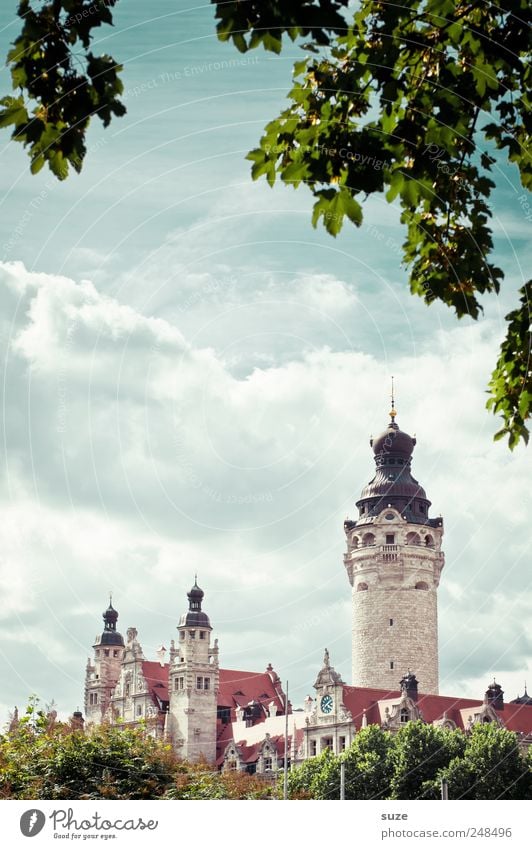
(393,484)
(194,615)
(110,636)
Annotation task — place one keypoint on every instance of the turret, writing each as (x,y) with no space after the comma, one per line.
(193,684)
(104,670)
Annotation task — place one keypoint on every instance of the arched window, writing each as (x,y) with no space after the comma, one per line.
(429,541)
(422,585)
(404,715)
(355,541)
(368,539)
(413,538)
(361,587)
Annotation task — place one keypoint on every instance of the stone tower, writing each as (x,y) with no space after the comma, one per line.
(193,682)
(394,560)
(104,671)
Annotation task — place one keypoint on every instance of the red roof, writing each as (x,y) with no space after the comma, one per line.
(357,699)
(157,680)
(238,689)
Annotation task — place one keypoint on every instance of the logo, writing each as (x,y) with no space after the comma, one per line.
(32,822)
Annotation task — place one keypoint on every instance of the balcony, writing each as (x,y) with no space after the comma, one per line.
(389,553)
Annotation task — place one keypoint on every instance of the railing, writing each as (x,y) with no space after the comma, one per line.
(389,552)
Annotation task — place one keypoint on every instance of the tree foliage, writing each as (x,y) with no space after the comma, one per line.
(44,759)
(485,764)
(61,84)
(416,101)
(411,100)
(491,767)
(41,758)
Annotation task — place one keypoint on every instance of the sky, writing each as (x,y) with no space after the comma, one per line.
(191,375)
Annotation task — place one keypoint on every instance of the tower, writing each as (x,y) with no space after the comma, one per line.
(103,673)
(193,682)
(394,560)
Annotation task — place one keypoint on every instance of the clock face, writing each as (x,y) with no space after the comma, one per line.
(326,704)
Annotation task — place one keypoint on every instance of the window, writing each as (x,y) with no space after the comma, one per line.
(312,748)
(93,698)
(206,683)
(127,689)
(267,764)
(115,652)
(181,635)
(391,621)
(139,710)
(421,585)
(391,664)
(341,744)
(361,587)
(202,635)
(199,683)
(192,635)
(106,652)
(97,652)
(421,508)
(181,683)
(223,714)
(390,539)
(231,765)
(404,715)
(176,683)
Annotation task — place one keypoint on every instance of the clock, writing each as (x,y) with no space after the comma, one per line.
(326,704)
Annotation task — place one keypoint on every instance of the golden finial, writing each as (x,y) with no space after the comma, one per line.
(393,411)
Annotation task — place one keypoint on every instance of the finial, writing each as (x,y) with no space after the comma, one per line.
(196,578)
(393,411)
(326,658)
(110,598)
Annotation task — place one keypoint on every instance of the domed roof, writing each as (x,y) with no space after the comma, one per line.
(110,636)
(525,699)
(393,441)
(393,484)
(194,616)
(399,484)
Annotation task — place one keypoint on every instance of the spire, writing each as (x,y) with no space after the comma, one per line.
(110,616)
(393,411)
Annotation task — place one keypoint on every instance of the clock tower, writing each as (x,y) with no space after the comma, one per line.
(393,562)
(329,724)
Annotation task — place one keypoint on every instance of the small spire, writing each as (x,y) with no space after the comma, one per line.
(393,411)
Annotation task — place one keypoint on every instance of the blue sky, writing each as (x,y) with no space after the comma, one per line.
(191,376)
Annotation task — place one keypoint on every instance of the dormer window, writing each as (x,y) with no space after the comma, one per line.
(404,715)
